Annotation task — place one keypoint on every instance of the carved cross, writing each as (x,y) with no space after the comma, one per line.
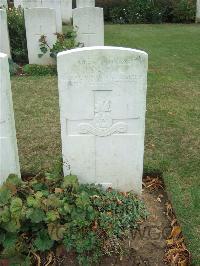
(102,125)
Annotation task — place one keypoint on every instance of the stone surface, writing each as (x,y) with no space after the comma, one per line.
(198,12)
(66,11)
(85,3)
(31,3)
(4,3)
(39,21)
(4,37)
(18,3)
(102,93)
(55,4)
(89,24)
(9,161)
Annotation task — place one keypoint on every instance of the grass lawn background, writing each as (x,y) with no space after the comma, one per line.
(173,115)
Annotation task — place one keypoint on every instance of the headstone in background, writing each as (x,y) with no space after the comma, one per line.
(85,3)
(66,11)
(9,160)
(38,22)
(89,24)
(198,12)
(55,4)
(4,37)
(102,93)
(31,3)
(18,3)
(3,4)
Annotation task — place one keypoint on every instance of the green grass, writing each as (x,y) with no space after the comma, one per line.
(172,124)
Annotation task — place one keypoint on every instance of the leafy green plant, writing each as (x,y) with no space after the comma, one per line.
(148,11)
(64,42)
(41,213)
(183,11)
(39,70)
(17,33)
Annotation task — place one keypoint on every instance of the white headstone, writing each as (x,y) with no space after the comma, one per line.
(89,24)
(3,3)
(31,3)
(38,22)
(9,160)
(102,93)
(4,37)
(198,12)
(85,3)
(55,4)
(66,10)
(18,3)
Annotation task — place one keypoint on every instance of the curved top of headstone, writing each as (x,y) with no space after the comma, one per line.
(136,52)
(87,9)
(41,20)
(102,56)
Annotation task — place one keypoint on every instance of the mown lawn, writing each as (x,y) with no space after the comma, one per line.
(172,124)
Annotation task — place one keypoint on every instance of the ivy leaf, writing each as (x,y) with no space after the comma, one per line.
(10,240)
(12,226)
(32,202)
(16,207)
(39,186)
(53,201)
(52,216)
(56,231)
(4,215)
(67,208)
(36,215)
(83,200)
(43,241)
(5,195)
(9,252)
(71,182)
(39,195)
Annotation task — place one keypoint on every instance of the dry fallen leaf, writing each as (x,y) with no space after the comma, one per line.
(50,259)
(95,226)
(176,230)
(176,253)
(153,183)
(183,262)
(58,190)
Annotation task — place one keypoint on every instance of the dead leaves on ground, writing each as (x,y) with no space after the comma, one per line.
(152,184)
(176,252)
(49,259)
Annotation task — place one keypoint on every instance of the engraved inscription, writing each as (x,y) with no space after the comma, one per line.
(118,128)
(103,123)
(103,117)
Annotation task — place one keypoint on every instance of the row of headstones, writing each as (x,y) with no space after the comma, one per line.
(103,140)
(87,21)
(63,7)
(66,6)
